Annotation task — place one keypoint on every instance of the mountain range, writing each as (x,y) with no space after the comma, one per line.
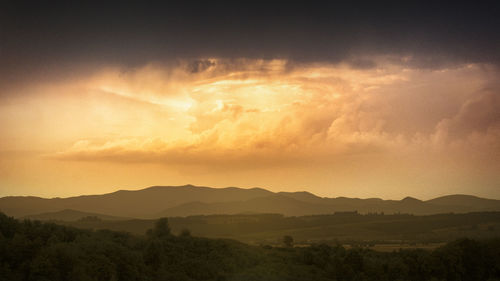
(69,215)
(159,201)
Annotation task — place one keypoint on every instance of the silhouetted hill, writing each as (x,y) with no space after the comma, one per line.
(466,201)
(129,203)
(187,200)
(71,215)
(304,196)
(275,203)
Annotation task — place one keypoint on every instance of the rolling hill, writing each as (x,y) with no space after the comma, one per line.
(128,203)
(71,215)
(157,201)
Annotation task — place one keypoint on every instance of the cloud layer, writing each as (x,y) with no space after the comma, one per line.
(341,129)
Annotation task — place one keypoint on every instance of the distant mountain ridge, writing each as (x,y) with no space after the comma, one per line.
(188,200)
(71,215)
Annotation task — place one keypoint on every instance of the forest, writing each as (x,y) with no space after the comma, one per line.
(33,250)
(341,227)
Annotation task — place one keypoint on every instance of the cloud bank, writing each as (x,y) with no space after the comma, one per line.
(229,112)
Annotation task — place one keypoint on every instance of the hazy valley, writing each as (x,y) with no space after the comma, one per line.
(258,216)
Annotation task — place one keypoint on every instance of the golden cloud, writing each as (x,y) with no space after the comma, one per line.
(243,122)
(270,111)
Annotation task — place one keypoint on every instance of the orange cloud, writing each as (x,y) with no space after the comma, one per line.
(257,107)
(257,114)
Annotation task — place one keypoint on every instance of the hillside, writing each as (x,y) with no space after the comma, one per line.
(71,215)
(466,201)
(157,201)
(341,227)
(128,203)
(269,204)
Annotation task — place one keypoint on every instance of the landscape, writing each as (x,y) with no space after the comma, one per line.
(249,140)
(258,216)
(248,234)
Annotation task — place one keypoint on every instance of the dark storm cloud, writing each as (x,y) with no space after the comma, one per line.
(200,65)
(40,38)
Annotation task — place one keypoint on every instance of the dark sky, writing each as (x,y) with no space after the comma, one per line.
(38,37)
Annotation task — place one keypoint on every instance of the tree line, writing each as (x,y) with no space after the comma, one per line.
(31,250)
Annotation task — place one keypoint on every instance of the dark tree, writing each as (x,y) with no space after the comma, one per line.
(185,232)
(44,251)
(288,241)
(161,229)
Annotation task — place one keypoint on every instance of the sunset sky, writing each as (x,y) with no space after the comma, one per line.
(340,100)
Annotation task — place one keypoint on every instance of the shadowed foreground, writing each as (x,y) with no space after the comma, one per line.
(31,250)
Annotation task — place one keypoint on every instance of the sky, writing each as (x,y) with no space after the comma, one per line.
(342,99)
